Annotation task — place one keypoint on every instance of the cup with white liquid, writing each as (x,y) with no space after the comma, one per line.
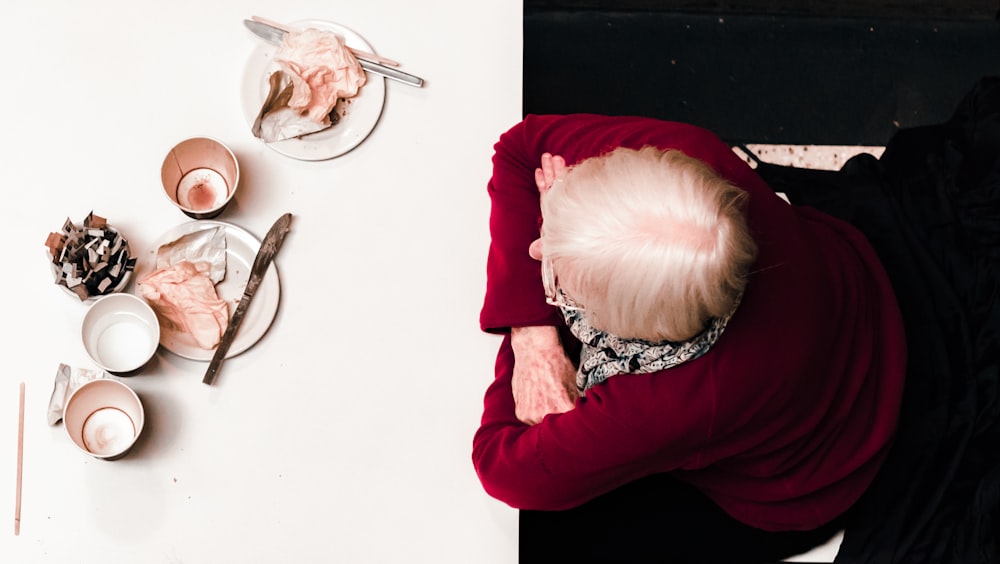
(104,418)
(200,176)
(120,333)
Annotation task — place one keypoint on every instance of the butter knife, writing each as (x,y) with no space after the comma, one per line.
(272,242)
(273,35)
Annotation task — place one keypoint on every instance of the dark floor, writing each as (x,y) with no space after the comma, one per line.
(758,77)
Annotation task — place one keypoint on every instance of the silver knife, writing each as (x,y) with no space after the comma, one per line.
(274,35)
(272,242)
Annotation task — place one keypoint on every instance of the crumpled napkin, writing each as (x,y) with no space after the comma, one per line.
(68,379)
(181,290)
(316,70)
(322,70)
(205,248)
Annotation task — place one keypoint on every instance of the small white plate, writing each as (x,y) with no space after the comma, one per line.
(359,114)
(241,249)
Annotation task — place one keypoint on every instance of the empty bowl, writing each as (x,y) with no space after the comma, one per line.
(120,333)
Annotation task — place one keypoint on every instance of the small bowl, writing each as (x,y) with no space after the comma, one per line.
(81,292)
(120,333)
(104,417)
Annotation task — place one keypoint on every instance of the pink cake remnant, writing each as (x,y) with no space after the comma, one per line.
(186,301)
(322,70)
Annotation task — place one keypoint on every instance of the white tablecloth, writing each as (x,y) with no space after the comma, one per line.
(345,434)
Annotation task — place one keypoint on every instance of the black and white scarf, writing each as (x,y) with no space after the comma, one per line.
(605,355)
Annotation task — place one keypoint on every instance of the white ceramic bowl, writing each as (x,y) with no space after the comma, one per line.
(120,333)
(104,417)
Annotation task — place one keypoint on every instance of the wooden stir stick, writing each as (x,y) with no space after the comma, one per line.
(357,53)
(20,459)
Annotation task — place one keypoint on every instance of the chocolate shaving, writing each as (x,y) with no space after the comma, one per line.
(91,259)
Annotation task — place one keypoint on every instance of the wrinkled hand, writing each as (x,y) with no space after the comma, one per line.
(544,379)
(553,168)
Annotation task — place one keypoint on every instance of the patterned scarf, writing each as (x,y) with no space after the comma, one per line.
(605,355)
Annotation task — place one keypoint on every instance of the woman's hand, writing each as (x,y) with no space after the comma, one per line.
(544,379)
(553,169)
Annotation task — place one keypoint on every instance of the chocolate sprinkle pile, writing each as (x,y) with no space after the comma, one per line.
(90,259)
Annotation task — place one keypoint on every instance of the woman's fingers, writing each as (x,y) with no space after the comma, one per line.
(540,180)
(558,167)
(553,168)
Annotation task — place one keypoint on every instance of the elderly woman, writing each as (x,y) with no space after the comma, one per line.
(691,368)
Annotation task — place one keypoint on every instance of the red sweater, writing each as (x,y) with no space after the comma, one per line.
(783,423)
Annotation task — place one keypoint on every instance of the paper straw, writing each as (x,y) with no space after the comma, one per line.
(20,458)
(357,53)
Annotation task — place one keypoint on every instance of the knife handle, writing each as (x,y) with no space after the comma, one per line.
(390,72)
(227,340)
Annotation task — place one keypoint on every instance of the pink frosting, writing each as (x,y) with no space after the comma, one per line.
(322,70)
(186,301)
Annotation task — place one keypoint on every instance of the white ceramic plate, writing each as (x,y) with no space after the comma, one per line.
(241,248)
(358,118)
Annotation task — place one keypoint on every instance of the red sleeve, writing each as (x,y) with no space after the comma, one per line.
(608,440)
(514,295)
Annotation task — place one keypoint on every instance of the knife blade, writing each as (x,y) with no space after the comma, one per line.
(268,249)
(274,35)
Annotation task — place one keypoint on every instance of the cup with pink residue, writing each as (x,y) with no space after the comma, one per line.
(200,176)
(104,417)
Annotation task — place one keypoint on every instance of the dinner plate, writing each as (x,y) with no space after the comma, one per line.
(241,249)
(358,115)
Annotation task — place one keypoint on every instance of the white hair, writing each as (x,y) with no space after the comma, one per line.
(651,243)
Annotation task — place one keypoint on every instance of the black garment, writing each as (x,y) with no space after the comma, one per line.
(931,208)
(655,519)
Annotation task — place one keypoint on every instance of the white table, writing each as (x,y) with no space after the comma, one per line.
(345,434)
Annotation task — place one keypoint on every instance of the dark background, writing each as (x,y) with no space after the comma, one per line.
(761,71)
